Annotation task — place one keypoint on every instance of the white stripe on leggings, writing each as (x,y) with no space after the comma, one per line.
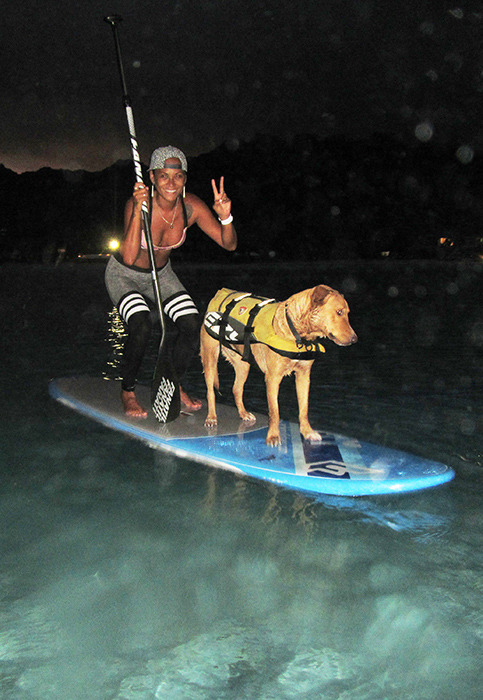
(132,304)
(182,305)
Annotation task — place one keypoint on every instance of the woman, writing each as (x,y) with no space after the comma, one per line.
(128,273)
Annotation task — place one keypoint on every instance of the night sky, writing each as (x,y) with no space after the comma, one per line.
(205,72)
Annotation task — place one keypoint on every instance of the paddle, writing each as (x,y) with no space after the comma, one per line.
(165,392)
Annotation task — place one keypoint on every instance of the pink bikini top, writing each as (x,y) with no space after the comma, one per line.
(168,247)
(160,247)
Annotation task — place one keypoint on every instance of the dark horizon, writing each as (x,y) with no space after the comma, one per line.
(323,199)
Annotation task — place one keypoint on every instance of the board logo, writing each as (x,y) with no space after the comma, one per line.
(329,468)
(324,458)
(242,310)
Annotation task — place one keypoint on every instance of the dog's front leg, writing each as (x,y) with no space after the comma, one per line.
(210,351)
(272,381)
(302,383)
(211,419)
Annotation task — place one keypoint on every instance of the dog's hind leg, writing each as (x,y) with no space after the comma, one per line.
(242,370)
(210,351)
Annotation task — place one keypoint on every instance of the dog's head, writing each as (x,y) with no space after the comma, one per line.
(327,316)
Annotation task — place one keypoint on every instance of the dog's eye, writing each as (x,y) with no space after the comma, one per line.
(340,312)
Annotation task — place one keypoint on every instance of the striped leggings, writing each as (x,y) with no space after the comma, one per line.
(131,291)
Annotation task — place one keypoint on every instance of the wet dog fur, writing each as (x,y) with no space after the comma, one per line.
(320,312)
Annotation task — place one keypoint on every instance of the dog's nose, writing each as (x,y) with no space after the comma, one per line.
(354,339)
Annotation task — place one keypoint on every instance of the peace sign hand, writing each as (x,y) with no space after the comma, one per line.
(222,203)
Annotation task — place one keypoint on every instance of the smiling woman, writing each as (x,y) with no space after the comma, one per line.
(171,211)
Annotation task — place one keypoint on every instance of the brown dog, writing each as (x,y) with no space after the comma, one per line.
(304,319)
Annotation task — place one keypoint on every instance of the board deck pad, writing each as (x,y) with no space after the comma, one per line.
(337,465)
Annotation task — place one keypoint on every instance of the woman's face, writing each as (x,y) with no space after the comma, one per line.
(170,180)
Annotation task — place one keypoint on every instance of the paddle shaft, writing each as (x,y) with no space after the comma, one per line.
(165,391)
(114,20)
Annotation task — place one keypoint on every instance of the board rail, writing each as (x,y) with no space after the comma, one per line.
(337,465)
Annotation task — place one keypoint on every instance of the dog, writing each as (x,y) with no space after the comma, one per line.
(293,330)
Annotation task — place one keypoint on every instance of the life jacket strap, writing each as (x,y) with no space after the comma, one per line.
(295,333)
(226,313)
(302,343)
(250,328)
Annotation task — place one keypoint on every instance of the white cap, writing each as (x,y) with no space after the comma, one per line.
(161,155)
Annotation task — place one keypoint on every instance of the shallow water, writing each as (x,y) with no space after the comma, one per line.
(127,574)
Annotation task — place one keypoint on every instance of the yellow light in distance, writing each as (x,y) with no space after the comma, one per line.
(113,244)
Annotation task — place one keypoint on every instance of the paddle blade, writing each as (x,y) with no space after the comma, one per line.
(165,395)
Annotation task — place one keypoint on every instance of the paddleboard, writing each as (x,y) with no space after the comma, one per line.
(338,465)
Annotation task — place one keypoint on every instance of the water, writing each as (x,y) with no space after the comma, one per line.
(127,574)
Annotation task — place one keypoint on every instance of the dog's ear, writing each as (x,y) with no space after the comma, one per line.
(320,294)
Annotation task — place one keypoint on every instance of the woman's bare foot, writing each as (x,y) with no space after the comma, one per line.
(131,405)
(188,402)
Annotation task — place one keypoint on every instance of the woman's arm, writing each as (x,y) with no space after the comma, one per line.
(223,234)
(133,222)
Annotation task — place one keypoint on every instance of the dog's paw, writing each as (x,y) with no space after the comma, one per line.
(273,440)
(211,422)
(313,436)
(248,417)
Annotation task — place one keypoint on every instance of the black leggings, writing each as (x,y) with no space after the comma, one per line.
(139,329)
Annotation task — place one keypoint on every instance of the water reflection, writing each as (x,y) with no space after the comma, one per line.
(127,574)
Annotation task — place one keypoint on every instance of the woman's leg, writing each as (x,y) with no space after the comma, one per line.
(182,311)
(139,331)
(136,316)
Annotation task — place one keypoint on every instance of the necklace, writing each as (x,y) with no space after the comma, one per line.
(174,215)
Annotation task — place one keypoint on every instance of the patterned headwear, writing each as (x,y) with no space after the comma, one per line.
(161,155)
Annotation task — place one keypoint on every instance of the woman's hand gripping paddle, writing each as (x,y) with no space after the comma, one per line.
(165,392)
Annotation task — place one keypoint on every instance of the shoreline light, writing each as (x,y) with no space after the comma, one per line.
(113,244)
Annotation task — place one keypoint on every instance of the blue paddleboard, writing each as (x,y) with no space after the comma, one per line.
(338,465)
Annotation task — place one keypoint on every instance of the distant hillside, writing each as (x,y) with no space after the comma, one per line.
(308,199)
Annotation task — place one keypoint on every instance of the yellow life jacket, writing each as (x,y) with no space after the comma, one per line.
(241,318)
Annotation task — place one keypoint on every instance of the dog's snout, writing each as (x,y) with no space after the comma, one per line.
(345,341)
